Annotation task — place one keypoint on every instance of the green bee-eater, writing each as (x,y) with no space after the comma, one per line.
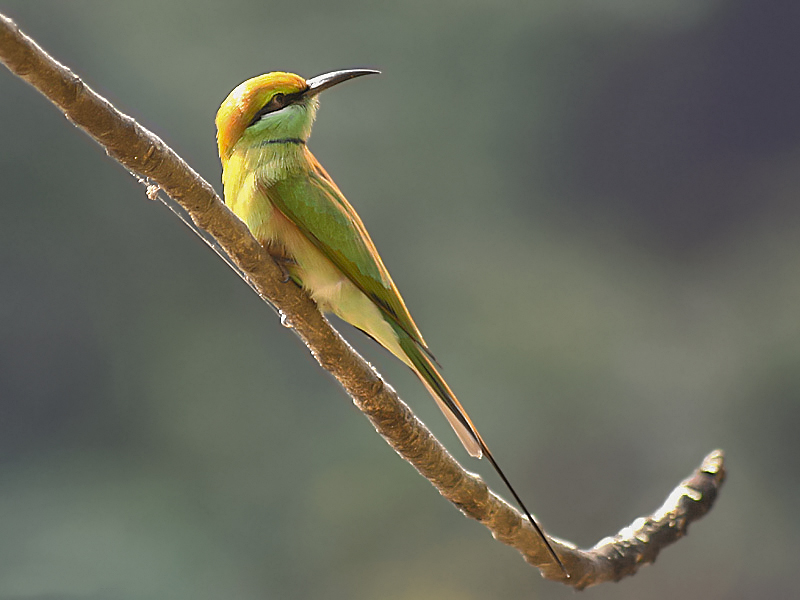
(292,206)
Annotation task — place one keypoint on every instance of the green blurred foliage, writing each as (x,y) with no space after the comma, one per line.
(590,209)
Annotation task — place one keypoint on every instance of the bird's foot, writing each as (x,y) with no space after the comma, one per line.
(284,264)
(284,261)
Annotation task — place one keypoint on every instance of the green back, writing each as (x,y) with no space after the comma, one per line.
(312,201)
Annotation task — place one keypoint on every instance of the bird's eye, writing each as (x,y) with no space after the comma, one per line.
(278,100)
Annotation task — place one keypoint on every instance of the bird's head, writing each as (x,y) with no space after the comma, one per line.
(273,106)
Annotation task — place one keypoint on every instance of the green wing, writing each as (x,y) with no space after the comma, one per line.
(312,201)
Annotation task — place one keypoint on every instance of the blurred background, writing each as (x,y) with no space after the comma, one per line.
(591,210)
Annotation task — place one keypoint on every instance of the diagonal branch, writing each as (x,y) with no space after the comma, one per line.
(144,153)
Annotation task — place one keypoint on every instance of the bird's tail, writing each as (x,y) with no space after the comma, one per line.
(458,418)
(422,364)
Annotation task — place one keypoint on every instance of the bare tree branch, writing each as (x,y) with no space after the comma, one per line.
(144,153)
(611,559)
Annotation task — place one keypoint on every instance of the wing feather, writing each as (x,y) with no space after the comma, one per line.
(315,205)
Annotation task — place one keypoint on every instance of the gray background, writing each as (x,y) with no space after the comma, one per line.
(590,208)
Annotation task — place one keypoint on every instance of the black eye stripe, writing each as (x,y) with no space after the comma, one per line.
(277,102)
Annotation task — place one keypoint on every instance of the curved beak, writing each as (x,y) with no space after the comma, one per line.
(323,82)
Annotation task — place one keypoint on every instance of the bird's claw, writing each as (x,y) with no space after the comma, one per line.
(282,262)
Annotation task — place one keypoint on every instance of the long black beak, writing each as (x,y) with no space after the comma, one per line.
(323,82)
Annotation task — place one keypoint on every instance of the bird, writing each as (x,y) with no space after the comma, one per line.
(292,206)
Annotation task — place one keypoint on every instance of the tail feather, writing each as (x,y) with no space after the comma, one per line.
(459,420)
(469,437)
(445,398)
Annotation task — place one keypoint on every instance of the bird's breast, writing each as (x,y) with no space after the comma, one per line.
(245,196)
